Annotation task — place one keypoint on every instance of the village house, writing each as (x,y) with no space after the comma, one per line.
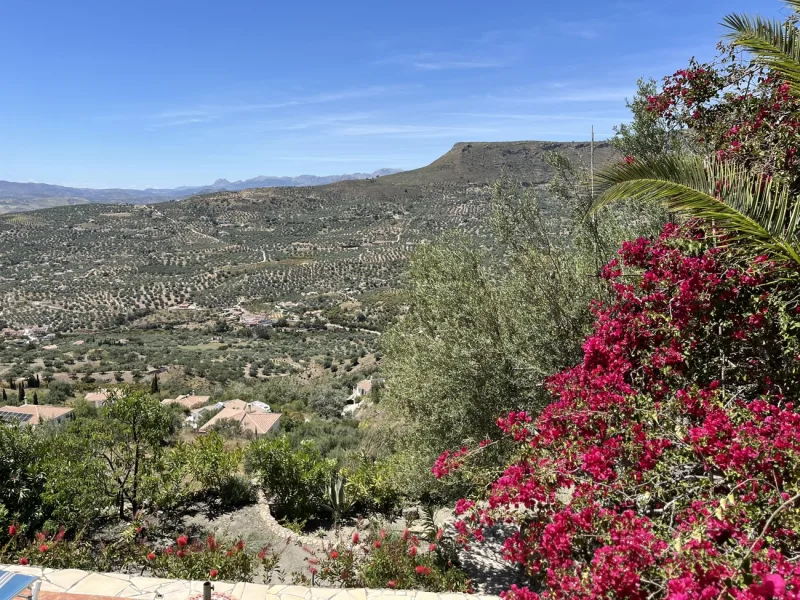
(98,398)
(187,401)
(365,387)
(251,418)
(34,414)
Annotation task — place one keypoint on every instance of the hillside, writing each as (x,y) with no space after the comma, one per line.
(91,265)
(19,197)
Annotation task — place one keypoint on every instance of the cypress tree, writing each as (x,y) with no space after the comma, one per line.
(21,393)
(154,384)
(38,381)
(5,398)
(35,398)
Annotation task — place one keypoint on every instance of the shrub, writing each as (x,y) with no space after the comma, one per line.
(669,463)
(393,560)
(292,477)
(214,467)
(372,484)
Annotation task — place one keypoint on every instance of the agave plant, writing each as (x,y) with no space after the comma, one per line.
(757,213)
(336,498)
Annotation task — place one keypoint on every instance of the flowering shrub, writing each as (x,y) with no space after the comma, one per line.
(185,559)
(669,463)
(737,110)
(210,559)
(391,560)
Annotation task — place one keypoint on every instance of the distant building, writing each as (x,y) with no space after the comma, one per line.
(34,414)
(98,398)
(251,418)
(187,401)
(365,386)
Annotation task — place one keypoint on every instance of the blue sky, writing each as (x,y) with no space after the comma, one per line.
(136,93)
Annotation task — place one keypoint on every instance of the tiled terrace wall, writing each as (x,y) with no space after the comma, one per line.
(118,585)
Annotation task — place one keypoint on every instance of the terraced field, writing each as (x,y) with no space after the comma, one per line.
(93,266)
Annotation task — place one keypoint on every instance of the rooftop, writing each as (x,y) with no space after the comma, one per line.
(32,414)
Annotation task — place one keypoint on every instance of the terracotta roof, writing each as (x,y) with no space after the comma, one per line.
(100,396)
(36,413)
(189,402)
(251,419)
(237,404)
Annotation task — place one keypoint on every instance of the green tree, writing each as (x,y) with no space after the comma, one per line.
(485,329)
(21,475)
(106,461)
(212,465)
(292,478)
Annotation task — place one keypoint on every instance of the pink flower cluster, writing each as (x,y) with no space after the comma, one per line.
(668,463)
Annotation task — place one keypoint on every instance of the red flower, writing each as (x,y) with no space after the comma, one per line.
(772,586)
(423,570)
(391,584)
(412,552)
(182,541)
(629,160)
(151,556)
(240,545)
(211,543)
(376,544)
(138,530)
(334,554)
(439,534)
(431,547)
(12,530)
(229,554)
(355,537)
(43,548)
(181,553)
(23,561)
(382,534)
(213,573)
(312,570)
(168,550)
(405,534)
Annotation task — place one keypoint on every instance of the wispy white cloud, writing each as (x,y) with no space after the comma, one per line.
(438,61)
(203,113)
(402,130)
(559,92)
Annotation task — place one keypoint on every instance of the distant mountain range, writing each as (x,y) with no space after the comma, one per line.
(17,196)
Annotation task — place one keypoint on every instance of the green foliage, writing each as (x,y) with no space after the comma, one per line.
(22,478)
(373,485)
(390,560)
(648,134)
(774,44)
(484,330)
(215,468)
(336,498)
(108,461)
(761,216)
(292,477)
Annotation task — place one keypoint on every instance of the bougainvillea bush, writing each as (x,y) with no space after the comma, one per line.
(668,465)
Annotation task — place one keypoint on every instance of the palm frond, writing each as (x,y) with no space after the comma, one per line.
(774,44)
(762,216)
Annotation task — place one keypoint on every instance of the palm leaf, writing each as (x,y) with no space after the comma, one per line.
(774,44)
(760,216)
